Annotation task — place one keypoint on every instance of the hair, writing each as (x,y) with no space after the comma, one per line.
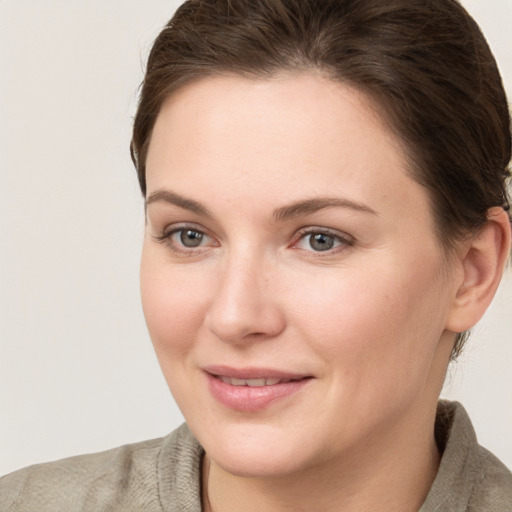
(425,64)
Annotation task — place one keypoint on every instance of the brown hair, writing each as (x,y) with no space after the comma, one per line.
(424,62)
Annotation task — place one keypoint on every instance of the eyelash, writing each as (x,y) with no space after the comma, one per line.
(166,239)
(344,241)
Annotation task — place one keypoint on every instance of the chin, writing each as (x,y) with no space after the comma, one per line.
(255,463)
(255,451)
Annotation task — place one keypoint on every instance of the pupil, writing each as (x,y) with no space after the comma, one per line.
(191,238)
(321,242)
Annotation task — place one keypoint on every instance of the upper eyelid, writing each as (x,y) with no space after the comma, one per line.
(345,241)
(181,226)
(165,226)
(173,228)
(167,233)
(328,231)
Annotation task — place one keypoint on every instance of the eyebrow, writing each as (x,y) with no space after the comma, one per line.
(170,197)
(295,209)
(309,206)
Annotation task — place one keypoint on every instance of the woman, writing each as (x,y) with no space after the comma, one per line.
(326,217)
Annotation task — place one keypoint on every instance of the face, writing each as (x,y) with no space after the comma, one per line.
(292,283)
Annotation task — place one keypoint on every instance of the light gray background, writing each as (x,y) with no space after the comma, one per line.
(77,371)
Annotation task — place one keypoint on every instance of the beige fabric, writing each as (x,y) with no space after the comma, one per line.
(470,478)
(163,475)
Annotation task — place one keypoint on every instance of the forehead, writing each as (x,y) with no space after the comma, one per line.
(277,139)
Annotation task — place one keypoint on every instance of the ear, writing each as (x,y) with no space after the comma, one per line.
(483,261)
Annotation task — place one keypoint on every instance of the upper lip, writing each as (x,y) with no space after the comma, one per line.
(252,373)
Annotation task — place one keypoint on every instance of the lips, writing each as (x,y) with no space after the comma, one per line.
(252,389)
(252,382)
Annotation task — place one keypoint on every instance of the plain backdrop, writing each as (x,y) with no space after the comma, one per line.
(77,370)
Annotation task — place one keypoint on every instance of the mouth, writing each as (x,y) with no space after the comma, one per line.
(252,389)
(253,383)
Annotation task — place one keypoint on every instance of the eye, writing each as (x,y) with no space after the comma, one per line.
(188,237)
(322,241)
(186,240)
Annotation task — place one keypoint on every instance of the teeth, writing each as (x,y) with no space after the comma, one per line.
(251,382)
(255,382)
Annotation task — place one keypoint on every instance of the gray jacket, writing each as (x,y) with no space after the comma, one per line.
(163,475)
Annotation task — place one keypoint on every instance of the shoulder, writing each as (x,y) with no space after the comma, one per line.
(492,489)
(470,478)
(488,480)
(124,478)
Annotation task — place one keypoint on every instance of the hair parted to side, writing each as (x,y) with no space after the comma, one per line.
(425,63)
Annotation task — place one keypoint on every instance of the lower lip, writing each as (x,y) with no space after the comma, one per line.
(252,399)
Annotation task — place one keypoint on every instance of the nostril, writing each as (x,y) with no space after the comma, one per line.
(242,309)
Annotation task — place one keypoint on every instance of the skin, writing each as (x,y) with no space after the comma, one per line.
(371,320)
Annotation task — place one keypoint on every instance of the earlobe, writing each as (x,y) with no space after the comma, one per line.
(483,262)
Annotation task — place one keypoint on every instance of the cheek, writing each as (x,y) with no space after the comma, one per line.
(173,302)
(371,319)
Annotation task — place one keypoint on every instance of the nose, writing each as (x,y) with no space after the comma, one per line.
(246,303)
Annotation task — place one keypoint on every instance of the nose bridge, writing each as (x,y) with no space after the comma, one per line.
(242,304)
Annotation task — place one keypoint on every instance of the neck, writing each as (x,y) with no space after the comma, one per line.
(391,473)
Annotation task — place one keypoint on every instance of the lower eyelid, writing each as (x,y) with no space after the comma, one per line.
(166,237)
(206,242)
(341,243)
